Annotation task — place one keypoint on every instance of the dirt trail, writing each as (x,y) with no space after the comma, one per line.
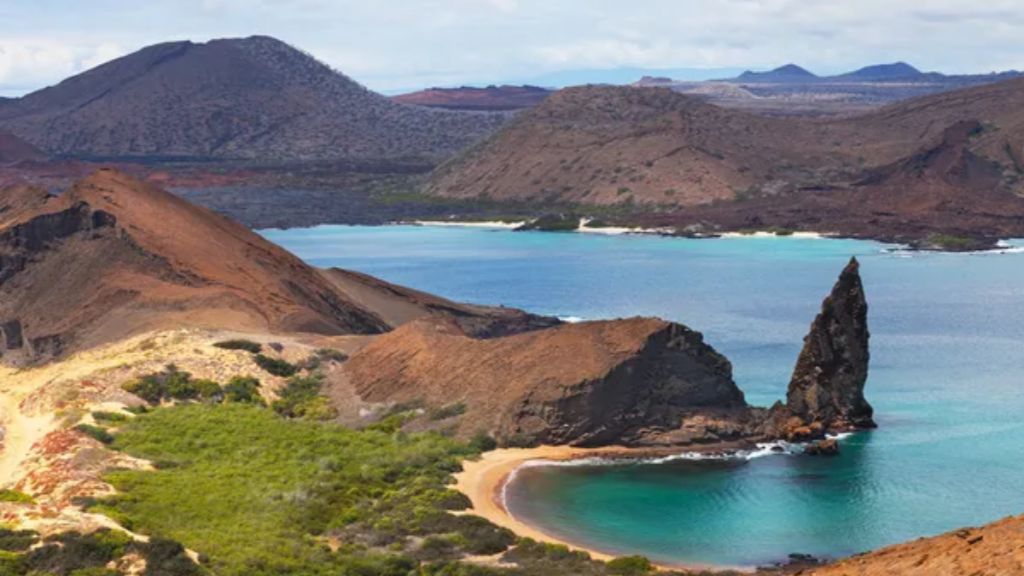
(21,432)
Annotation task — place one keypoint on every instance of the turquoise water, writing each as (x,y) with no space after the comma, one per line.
(947,382)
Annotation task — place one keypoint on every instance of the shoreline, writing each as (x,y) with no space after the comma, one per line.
(484,480)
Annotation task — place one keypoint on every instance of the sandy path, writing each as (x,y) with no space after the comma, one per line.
(21,432)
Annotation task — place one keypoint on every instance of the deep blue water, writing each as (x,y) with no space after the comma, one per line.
(947,382)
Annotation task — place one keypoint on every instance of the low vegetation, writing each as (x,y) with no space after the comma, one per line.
(276,366)
(17,496)
(300,398)
(173,384)
(243,345)
(75,554)
(949,242)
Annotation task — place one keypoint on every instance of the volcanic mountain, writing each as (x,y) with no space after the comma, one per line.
(129,258)
(654,147)
(490,98)
(881,72)
(252,98)
(14,150)
(789,73)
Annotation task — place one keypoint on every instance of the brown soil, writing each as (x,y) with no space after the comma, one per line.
(993,550)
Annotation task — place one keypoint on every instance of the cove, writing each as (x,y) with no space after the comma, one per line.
(947,382)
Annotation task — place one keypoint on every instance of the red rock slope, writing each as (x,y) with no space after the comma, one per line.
(115,255)
(583,384)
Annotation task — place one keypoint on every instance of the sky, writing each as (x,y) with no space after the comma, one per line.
(395,45)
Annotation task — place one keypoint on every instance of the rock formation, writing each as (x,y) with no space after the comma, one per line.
(638,382)
(586,384)
(826,392)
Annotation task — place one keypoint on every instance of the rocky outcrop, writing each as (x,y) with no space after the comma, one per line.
(586,384)
(826,392)
(827,447)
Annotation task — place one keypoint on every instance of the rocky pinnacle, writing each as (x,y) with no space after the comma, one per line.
(827,387)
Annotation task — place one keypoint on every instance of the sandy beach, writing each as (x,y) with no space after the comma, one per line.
(449,224)
(807,235)
(483,481)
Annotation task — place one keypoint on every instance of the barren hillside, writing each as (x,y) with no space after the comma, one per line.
(252,98)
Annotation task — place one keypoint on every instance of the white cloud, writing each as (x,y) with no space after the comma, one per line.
(406,43)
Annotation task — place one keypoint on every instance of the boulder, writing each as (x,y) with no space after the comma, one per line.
(827,447)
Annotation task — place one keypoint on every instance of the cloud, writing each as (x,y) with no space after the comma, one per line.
(407,43)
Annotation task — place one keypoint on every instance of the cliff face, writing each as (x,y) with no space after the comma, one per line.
(827,388)
(585,384)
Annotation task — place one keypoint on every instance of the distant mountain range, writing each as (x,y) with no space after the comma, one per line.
(491,98)
(252,98)
(899,71)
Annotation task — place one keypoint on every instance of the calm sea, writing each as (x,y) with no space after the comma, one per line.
(947,382)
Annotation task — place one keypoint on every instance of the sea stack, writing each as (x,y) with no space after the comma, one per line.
(826,393)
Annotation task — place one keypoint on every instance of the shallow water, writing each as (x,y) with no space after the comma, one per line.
(947,382)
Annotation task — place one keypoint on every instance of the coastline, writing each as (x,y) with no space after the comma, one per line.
(483,482)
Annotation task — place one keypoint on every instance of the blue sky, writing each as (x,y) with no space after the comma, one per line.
(397,44)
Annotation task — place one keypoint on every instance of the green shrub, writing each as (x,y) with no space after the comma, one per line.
(96,433)
(332,355)
(174,384)
(276,366)
(17,540)
(300,398)
(167,558)
(482,442)
(8,495)
(112,417)
(446,412)
(12,564)
(208,390)
(630,566)
(243,389)
(66,553)
(243,345)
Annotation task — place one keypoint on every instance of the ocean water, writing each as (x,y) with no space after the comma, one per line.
(947,382)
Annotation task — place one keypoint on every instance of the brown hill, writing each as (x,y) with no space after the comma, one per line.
(14,150)
(614,145)
(942,196)
(490,98)
(252,98)
(128,257)
(584,384)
